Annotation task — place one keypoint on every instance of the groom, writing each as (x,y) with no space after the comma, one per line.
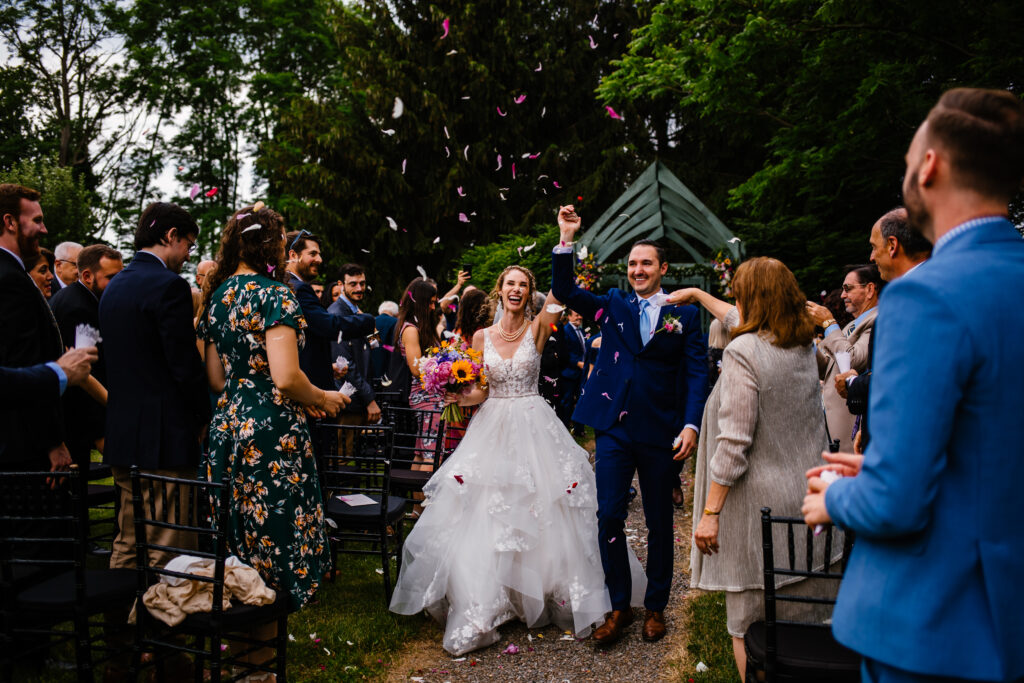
(644,399)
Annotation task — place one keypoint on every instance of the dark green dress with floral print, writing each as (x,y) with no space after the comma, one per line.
(260,438)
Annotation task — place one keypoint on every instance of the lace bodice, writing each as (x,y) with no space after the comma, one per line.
(515,376)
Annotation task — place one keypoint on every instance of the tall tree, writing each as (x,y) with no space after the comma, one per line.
(796,115)
(459,122)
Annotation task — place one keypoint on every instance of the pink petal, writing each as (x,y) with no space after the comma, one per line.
(612,113)
(549,379)
(539,67)
(555,183)
(500,112)
(459,190)
(513,171)
(403,166)
(458,478)
(605,394)
(499,163)
(181,168)
(387,347)
(616,358)
(612,539)
(534,156)
(597,316)
(446,133)
(463,218)
(623,414)
(520,99)
(592,43)
(270,269)
(446,24)
(194,191)
(447,152)
(212,191)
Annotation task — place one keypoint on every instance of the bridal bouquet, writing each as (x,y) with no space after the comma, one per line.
(451,367)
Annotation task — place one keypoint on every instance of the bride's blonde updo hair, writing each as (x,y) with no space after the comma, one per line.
(530,277)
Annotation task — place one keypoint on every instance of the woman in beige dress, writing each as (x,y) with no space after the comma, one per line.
(763,428)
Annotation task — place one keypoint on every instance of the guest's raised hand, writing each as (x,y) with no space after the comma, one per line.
(840,380)
(846,464)
(568,222)
(77,363)
(682,297)
(463,278)
(333,401)
(818,313)
(813,509)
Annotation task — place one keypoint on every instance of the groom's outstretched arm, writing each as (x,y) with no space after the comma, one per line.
(563,276)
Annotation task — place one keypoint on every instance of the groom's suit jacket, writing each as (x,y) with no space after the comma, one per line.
(660,387)
(934,583)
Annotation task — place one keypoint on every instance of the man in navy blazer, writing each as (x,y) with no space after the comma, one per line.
(304,262)
(644,398)
(158,400)
(934,588)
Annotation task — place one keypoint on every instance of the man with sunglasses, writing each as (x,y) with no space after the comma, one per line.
(304,261)
(861,288)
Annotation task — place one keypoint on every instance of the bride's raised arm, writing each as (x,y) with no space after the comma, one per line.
(548,316)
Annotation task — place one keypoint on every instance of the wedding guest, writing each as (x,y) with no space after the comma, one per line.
(861,288)
(203,270)
(79,304)
(31,437)
(304,261)
(65,265)
(355,350)
(932,592)
(40,268)
(387,316)
(158,405)
(570,378)
(769,387)
(415,332)
(254,323)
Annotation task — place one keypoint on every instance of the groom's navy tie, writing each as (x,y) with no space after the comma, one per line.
(645,322)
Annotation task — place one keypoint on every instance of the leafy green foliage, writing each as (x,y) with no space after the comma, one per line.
(65,201)
(793,117)
(531,250)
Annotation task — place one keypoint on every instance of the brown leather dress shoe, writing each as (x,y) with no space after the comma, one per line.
(654,626)
(611,630)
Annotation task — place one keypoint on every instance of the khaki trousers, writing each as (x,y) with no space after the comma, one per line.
(123,555)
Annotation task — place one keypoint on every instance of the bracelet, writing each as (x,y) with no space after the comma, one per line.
(711,512)
(565,244)
(828,323)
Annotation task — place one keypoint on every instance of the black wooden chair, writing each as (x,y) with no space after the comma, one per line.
(48,593)
(418,434)
(220,638)
(785,650)
(355,475)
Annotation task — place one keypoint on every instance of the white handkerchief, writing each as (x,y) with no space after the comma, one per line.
(341,363)
(843,360)
(356,499)
(86,335)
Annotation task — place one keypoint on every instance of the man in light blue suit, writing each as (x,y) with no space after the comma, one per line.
(934,589)
(644,399)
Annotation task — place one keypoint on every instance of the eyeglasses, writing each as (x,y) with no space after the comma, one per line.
(64,260)
(192,246)
(847,288)
(302,233)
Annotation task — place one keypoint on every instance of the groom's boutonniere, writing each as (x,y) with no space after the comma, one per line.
(671,326)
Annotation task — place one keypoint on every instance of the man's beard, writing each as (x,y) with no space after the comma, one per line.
(917,213)
(28,245)
(307,272)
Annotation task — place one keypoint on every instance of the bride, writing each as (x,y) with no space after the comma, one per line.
(509,527)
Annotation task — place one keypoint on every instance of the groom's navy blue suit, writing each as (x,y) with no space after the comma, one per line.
(637,399)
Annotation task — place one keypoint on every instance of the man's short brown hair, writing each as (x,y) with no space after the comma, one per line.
(11,195)
(89,257)
(983,131)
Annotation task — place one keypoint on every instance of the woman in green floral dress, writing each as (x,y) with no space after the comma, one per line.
(259,436)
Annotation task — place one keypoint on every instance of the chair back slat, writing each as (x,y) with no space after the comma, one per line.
(418,436)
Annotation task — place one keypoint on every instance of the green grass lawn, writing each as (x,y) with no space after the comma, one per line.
(708,641)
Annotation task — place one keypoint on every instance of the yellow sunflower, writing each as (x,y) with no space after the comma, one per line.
(462,371)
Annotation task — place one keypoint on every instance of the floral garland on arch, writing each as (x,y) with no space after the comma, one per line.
(724,270)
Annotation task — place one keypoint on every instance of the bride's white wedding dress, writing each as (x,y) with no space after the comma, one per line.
(509,526)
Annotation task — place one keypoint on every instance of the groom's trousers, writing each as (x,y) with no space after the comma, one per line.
(617,458)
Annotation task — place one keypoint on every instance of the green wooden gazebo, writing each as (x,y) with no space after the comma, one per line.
(658,206)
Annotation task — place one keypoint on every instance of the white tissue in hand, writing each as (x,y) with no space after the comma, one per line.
(341,363)
(677,442)
(829,476)
(554,309)
(347,389)
(843,360)
(86,335)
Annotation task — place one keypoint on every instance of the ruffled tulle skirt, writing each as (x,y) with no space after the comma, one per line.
(508,531)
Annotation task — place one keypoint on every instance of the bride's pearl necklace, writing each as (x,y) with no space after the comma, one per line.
(512,336)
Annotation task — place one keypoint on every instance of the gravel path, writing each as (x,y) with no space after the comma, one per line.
(556,656)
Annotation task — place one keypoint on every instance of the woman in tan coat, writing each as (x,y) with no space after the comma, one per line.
(763,428)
